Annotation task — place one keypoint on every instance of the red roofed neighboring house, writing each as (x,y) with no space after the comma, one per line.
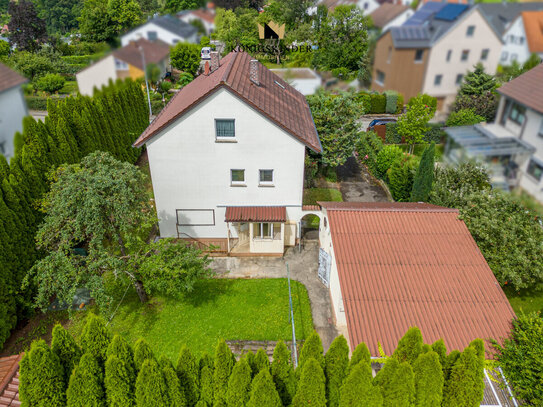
(4,29)
(523,37)
(205,15)
(391,266)
(9,381)
(227,158)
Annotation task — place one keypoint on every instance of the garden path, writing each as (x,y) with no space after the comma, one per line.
(357,185)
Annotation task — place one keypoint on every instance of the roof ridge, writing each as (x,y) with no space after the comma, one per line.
(229,67)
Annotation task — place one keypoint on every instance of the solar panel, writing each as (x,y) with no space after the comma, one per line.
(451,12)
(425,12)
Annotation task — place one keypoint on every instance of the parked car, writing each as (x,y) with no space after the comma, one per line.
(380,122)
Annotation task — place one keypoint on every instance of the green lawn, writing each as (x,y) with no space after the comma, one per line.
(256,309)
(419,148)
(525,301)
(313,195)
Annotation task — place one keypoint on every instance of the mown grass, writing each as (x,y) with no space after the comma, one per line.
(313,195)
(233,309)
(525,300)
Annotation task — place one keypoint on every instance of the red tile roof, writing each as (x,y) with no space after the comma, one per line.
(9,78)
(533,26)
(387,12)
(274,98)
(404,265)
(526,89)
(154,52)
(204,15)
(9,381)
(256,214)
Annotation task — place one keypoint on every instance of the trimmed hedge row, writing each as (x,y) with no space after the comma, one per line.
(101,368)
(435,134)
(376,103)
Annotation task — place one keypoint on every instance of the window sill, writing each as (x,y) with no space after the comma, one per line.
(225,140)
(266,185)
(418,62)
(238,185)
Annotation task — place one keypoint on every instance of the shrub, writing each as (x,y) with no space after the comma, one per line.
(50,83)
(123,351)
(185,57)
(119,383)
(151,390)
(36,102)
(368,147)
(311,388)
(434,133)
(86,386)
(188,369)
(365,101)
(521,357)
(176,393)
(378,103)
(64,346)
(206,385)
(422,183)
(283,373)
(385,158)
(310,171)
(95,338)
(223,369)
(427,100)
(399,109)
(165,86)
(263,392)
(358,390)
(41,378)
(441,350)
(391,135)
(464,117)
(336,364)
(400,177)
(464,386)
(451,360)
(239,385)
(361,354)
(312,349)
(412,124)
(142,352)
(410,346)
(399,388)
(428,380)
(391,101)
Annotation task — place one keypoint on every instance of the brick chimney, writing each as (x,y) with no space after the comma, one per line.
(253,70)
(215,62)
(206,68)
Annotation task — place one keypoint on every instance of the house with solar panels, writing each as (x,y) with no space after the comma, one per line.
(433,50)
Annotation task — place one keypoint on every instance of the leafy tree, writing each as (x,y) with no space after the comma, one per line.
(151,389)
(60,15)
(223,369)
(358,390)
(4,49)
(428,380)
(239,385)
(386,157)
(336,364)
(176,395)
(465,386)
(312,349)
(50,83)
(463,117)
(400,177)
(124,14)
(283,373)
(342,41)
(120,348)
(110,214)
(311,388)
(263,392)
(119,383)
(477,92)
(188,370)
(173,6)
(64,346)
(95,338)
(422,183)
(86,386)
(41,378)
(236,28)
(95,22)
(521,356)
(142,352)
(261,360)
(335,118)
(412,124)
(27,30)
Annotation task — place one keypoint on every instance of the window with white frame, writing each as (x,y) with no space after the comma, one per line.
(152,35)
(225,129)
(505,54)
(267,230)
(237,177)
(517,113)
(265,177)
(121,65)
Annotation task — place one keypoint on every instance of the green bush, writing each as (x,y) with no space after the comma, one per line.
(142,352)
(223,368)
(391,101)
(358,390)
(410,346)
(283,373)
(311,388)
(188,370)
(464,386)
(123,351)
(521,357)
(399,108)
(385,159)
(368,147)
(50,83)
(206,379)
(361,354)
(95,338)
(336,364)
(119,383)
(391,135)
(36,102)
(176,393)
(263,392)
(400,177)
(428,100)
(364,99)
(151,390)
(86,386)
(378,103)
(261,360)
(434,134)
(239,385)
(464,117)
(428,380)
(64,346)
(312,349)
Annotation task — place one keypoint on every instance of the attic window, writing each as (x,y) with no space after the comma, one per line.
(278,84)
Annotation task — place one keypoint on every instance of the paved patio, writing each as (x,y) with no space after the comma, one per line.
(303,268)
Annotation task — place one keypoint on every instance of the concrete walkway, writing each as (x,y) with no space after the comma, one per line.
(357,185)
(303,268)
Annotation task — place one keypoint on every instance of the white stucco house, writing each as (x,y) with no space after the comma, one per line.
(166,28)
(227,158)
(523,38)
(12,108)
(206,16)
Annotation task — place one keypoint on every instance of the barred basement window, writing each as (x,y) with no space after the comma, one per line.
(224,128)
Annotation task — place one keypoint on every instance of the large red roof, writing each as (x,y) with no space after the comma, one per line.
(403,265)
(273,98)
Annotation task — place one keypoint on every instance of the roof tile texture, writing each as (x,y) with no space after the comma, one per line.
(419,267)
(9,381)
(526,89)
(9,78)
(154,52)
(273,98)
(256,214)
(533,26)
(386,13)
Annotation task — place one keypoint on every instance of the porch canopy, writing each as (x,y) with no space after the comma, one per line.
(477,141)
(256,214)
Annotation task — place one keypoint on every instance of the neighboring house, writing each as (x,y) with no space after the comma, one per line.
(523,38)
(205,16)
(433,50)
(226,157)
(367,6)
(391,15)
(166,28)
(125,62)
(392,266)
(513,145)
(12,108)
(304,80)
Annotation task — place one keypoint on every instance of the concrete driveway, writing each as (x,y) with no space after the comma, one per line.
(357,185)
(303,268)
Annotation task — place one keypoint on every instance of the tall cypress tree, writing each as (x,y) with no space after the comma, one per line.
(422,184)
(206,379)
(95,338)
(360,354)
(187,370)
(176,394)
(312,349)
(410,346)
(428,380)
(68,351)
(223,369)
(261,360)
(120,348)
(239,385)
(263,392)
(441,350)
(358,390)
(86,387)
(142,352)
(399,390)
(283,373)
(337,363)
(151,389)
(465,386)
(312,386)
(119,383)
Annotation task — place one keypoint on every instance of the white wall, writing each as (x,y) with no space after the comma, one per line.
(533,134)
(515,45)
(399,20)
(457,41)
(96,75)
(12,110)
(191,171)
(188,17)
(368,6)
(306,86)
(162,34)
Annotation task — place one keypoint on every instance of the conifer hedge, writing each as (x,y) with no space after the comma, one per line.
(417,374)
(74,127)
